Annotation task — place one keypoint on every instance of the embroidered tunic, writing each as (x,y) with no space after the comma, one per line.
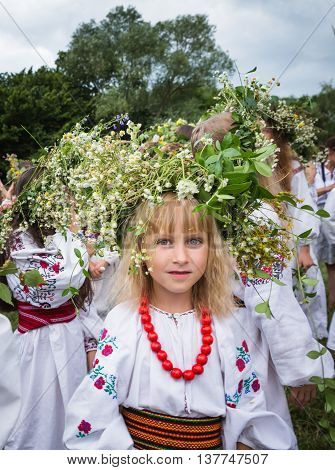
(52,358)
(127,373)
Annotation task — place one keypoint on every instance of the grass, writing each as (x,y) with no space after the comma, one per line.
(305,421)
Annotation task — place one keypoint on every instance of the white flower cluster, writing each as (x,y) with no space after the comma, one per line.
(186,189)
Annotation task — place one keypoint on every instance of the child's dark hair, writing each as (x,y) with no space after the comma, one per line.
(37,234)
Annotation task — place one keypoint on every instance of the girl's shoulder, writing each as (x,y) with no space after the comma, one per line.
(122,313)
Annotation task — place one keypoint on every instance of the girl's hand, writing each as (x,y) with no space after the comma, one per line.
(90,355)
(300,396)
(96,268)
(304,258)
(241,446)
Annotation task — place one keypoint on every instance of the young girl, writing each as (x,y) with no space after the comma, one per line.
(50,335)
(173,368)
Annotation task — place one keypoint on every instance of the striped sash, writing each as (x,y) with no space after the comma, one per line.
(157,431)
(31,317)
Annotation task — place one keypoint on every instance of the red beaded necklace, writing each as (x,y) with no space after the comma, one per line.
(202,358)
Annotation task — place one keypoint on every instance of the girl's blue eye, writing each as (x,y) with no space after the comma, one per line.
(163,242)
(195,241)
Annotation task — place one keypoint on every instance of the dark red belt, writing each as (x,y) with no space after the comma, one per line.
(31,317)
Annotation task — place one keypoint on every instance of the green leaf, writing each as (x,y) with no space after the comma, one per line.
(235,188)
(77,253)
(321,388)
(330,383)
(310,294)
(264,308)
(221,218)
(265,152)
(231,152)
(306,207)
(262,274)
(212,159)
(330,398)
(251,71)
(263,168)
(8,268)
(322,213)
(316,354)
(332,433)
(286,198)
(309,281)
(236,177)
(86,273)
(74,290)
(264,193)
(235,116)
(305,234)
(5,293)
(324,423)
(218,145)
(316,380)
(82,262)
(65,292)
(276,281)
(32,278)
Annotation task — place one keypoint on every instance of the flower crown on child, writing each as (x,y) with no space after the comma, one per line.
(104,178)
(251,103)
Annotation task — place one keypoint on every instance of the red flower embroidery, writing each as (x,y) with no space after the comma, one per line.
(240,364)
(103,334)
(240,386)
(55,268)
(107,350)
(85,427)
(255,385)
(96,362)
(43,264)
(245,346)
(99,383)
(231,405)
(26,289)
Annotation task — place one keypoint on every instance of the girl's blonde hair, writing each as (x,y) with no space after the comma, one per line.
(213,290)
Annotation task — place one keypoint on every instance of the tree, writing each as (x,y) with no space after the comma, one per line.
(152,72)
(43,102)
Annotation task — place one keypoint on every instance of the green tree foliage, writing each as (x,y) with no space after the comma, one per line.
(44,102)
(150,71)
(122,64)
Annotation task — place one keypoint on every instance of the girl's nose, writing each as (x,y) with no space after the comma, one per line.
(180,253)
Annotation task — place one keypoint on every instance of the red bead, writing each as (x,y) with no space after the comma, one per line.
(206,349)
(143,310)
(167,365)
(198,369)
(152,336)
(145,318)
(156,346)
(205,330)
(148,327)
(162,356)
(176,373)
(188,375)
(205,311)
(207,339)
(201,359)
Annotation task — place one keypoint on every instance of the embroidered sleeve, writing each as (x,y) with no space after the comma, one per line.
(93,419)
(90,344)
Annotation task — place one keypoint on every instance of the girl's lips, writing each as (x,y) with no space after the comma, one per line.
(179,273)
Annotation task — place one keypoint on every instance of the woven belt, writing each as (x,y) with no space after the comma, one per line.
(157,431)
(31,317)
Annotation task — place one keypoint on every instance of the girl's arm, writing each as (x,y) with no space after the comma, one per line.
(93,419)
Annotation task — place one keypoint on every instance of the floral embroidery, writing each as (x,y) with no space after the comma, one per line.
(103,381)
(105,343)
(84,428)
(243,356)
(248,385)
(274,271)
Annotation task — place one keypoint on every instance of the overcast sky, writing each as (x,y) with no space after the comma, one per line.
(254,32)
